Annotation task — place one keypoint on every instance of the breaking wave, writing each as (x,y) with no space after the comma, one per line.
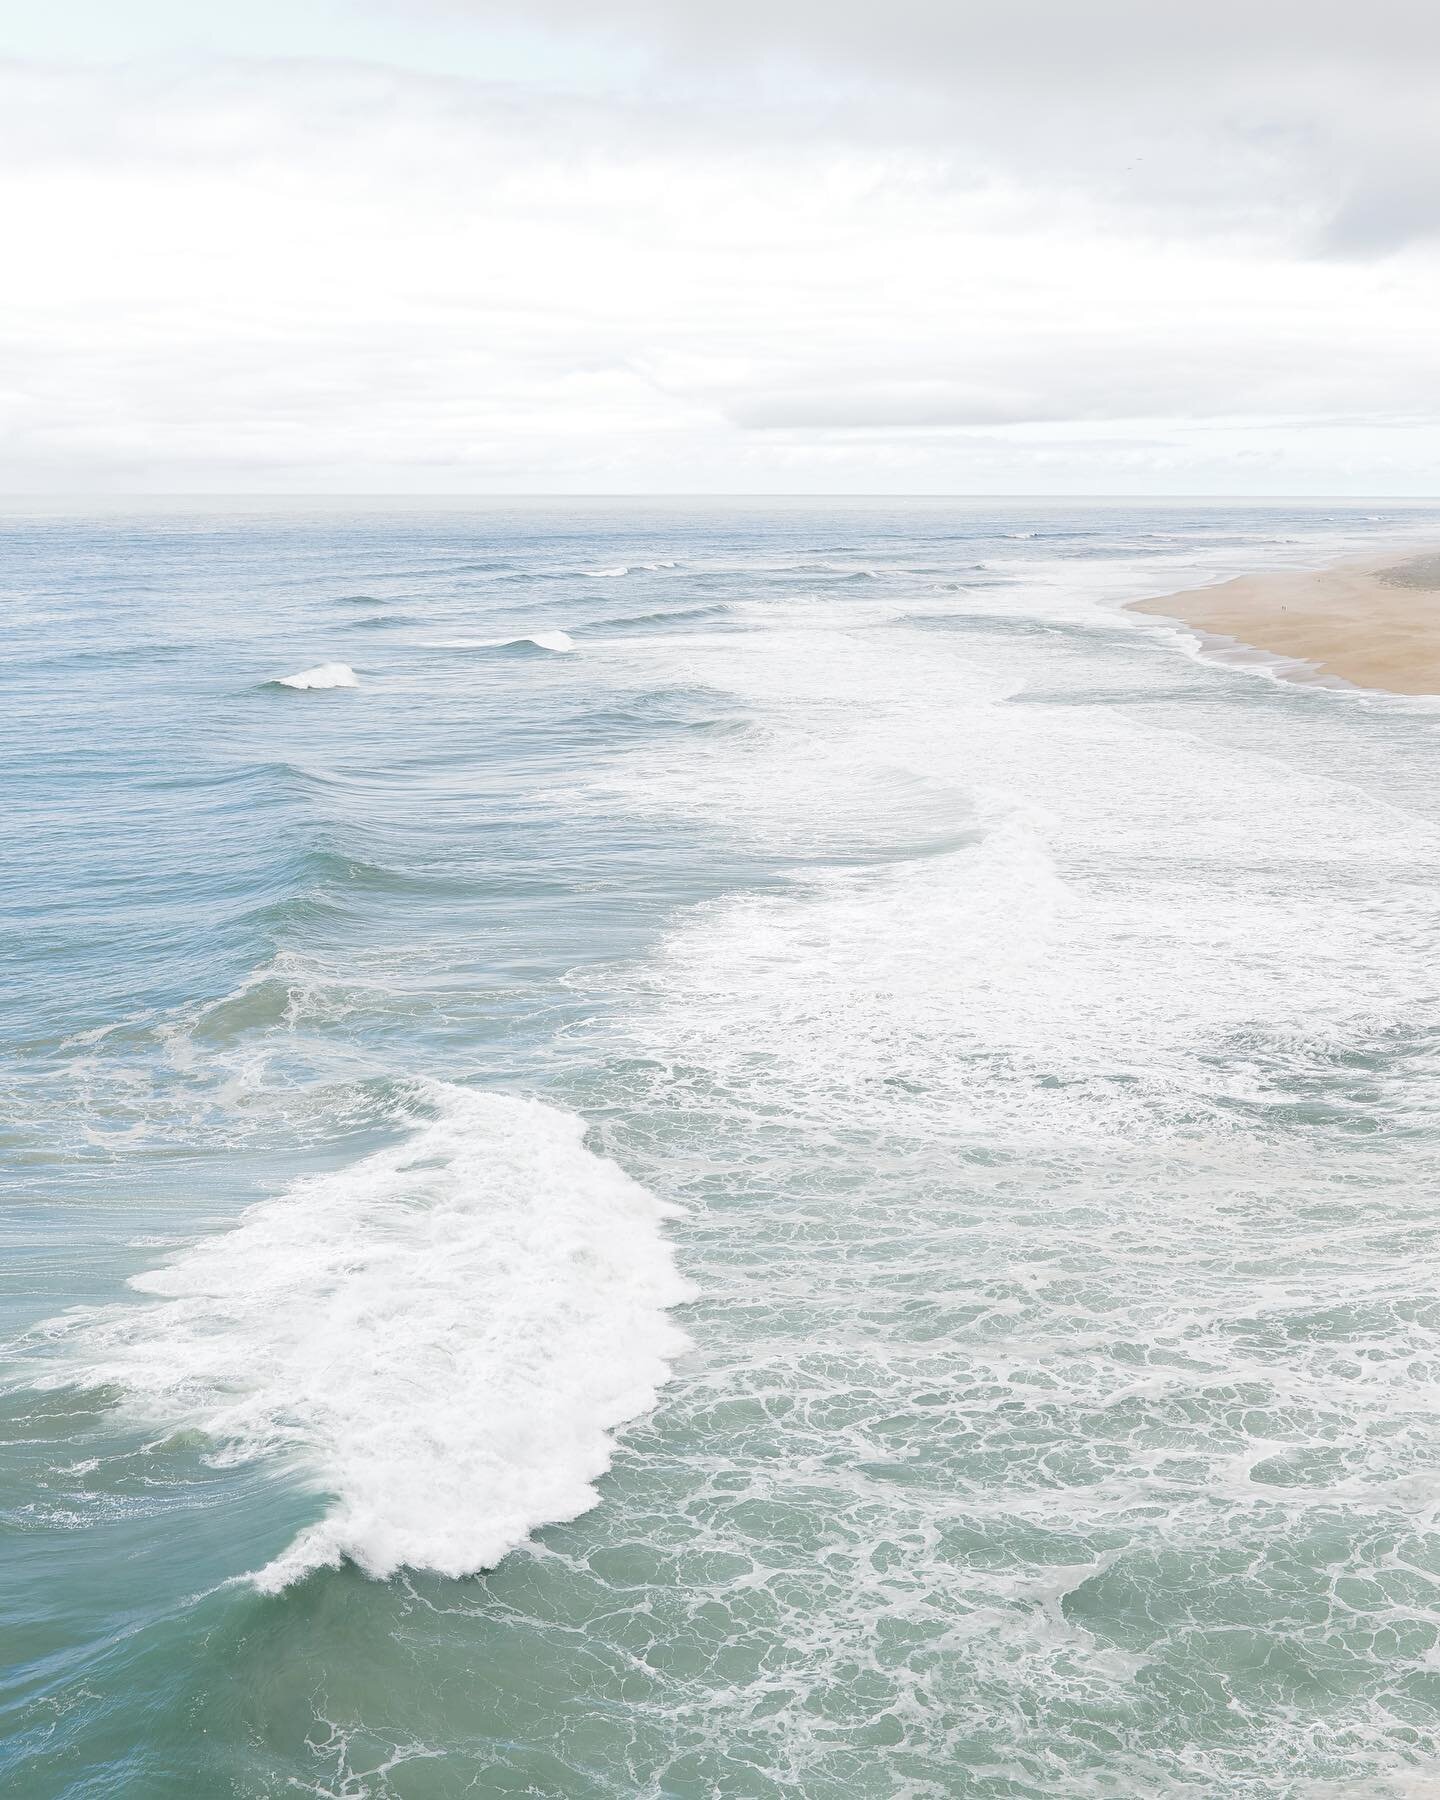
(442,1336)
(614,573)
(323,675)
(559,642)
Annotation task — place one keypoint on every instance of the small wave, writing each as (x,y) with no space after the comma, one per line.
(614,573)
(560,642)
(676,615)
(270,998)
(323,675)
(443,1336)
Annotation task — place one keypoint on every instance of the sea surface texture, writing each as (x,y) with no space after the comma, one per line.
(710,1152)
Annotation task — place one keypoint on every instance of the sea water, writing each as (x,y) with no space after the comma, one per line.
(692,1150)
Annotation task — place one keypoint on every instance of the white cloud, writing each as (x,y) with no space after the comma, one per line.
(323,275)
(1246,108)
(1026,37)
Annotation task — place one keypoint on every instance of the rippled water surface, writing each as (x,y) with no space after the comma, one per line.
(702,1151)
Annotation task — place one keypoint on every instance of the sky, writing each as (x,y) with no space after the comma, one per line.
(720,246)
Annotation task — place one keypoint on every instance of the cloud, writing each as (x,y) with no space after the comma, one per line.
(1036,39)
(1301,117)
(309,274)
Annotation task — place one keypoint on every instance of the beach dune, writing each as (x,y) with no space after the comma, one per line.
(1375,623)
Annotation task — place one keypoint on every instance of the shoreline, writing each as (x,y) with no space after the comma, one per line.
(1374,623)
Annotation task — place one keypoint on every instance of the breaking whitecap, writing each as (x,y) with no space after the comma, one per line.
(323,675)
(441,1337)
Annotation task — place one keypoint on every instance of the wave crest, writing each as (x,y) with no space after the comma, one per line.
(442,1335)
(616,571)
(560,642)
(323,675)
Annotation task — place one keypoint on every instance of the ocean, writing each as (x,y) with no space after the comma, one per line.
(710,1149)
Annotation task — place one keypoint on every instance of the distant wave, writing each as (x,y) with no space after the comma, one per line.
(323,675)
(840,571)
(665,616)
(443,1336)
(619,569)
(560,642)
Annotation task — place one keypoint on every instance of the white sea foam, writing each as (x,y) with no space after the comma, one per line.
(442,1336)
(1111,1127)
(323,675)
(1023,980)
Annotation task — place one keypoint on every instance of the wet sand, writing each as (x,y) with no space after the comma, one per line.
(1375,622)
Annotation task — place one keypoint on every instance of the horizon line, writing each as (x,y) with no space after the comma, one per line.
(9,495)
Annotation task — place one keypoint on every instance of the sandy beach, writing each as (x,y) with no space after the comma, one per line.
(1374,622)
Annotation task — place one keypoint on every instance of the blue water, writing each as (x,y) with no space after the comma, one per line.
(820,1184)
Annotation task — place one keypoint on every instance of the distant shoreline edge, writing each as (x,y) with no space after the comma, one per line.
(1374,623)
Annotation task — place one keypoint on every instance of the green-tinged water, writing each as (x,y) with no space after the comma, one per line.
(744,1152)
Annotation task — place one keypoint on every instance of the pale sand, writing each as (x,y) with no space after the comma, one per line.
(1375,623)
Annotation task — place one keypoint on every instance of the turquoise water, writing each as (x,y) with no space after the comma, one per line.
(821,1184)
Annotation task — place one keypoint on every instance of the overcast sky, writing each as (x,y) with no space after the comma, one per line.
(941,246)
